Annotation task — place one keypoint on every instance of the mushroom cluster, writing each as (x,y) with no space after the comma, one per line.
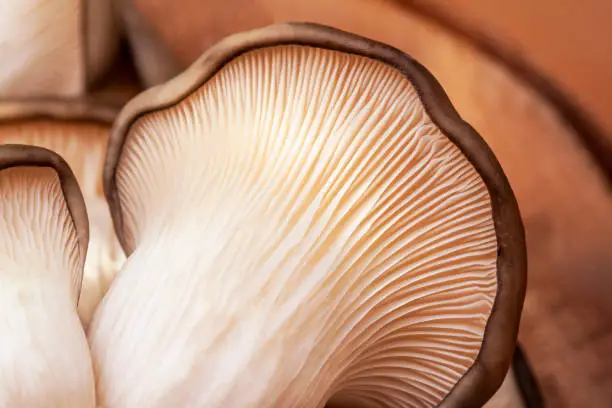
(307,222)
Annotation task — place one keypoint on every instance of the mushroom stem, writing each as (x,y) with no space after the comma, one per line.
(55,49)
(249,352)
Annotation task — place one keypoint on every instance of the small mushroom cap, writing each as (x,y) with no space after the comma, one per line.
(318,224)
(44,357)
(79,133)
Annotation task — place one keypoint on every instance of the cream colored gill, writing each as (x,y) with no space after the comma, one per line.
(44,356)
(83,145)
(302,233)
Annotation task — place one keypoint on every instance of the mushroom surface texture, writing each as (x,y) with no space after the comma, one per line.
(308,222)
(54,48)
(508,395)
(44,355)
(520,388)
(79,133)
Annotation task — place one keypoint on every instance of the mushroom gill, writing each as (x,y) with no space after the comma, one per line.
(82,143)
(301,233)
(44,355)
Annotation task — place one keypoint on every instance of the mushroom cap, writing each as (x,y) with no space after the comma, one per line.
(307,42)
(45,358)
(78,131)
(15,155)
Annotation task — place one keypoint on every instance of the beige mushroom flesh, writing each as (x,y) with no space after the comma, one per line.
(55,48)
(44,355)
(309,222)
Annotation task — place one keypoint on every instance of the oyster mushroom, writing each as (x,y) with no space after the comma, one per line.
(308,222)
(55,48)
(44,355)
(79,132)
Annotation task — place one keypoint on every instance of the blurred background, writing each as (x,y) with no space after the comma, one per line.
(533,78)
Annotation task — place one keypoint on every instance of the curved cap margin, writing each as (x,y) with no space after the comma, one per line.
(15,155)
